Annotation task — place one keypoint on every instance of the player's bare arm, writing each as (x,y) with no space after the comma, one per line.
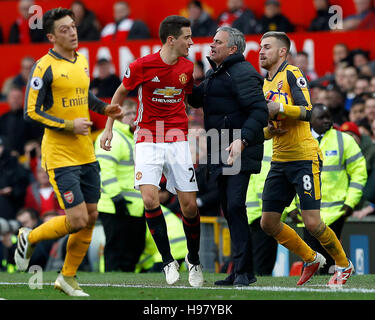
(117,99)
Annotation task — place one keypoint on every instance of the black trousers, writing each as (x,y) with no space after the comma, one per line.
(125,241)
(264,249)
(316,246)
(233,202)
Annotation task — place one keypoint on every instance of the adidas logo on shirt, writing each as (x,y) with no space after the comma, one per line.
(156,79)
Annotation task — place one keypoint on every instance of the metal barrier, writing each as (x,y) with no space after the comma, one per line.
(215,243)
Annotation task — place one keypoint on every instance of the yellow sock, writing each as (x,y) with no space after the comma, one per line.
(329,241)
(76,248)
(293,242)
(52,229)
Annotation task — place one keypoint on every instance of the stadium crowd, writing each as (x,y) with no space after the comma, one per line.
(348,92)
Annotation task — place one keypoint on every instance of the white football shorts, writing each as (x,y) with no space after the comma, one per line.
(171,159)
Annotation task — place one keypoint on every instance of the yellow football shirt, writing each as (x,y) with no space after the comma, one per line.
(290,87)
(56,94)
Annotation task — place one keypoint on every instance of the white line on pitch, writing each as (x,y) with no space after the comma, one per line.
(248,288)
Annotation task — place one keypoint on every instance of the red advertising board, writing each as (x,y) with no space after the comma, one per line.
(318,45)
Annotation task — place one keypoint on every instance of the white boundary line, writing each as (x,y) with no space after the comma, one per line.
(249,288)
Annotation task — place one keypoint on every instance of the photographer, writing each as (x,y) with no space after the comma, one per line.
(25,217)
(14,179)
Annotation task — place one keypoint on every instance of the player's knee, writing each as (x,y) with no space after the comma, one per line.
(313,224)
(190,209)
(266,226)
(150,201)
(316,229)
(270,226)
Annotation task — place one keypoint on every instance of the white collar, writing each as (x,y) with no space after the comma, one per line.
(315,134)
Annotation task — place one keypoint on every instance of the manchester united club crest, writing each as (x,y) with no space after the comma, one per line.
(69,197)
(183,78)
(138,175)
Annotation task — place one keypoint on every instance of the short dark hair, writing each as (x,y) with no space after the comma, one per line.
(52,15)
(196,3)
(281,36)
(33,213)
(171,26)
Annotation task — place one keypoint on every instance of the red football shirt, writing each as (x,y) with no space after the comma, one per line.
(161,115)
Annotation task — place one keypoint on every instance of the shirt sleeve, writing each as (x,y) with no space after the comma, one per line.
(301,109)
(133,75)
(95,104)
(38,99)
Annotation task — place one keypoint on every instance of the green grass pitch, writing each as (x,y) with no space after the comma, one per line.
(152,286)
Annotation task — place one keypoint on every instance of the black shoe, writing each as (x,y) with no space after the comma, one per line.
(252,278)
(228,281)
(241,280)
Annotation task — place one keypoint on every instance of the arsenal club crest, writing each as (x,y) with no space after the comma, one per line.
(183,78)
(69,197)
(280,85)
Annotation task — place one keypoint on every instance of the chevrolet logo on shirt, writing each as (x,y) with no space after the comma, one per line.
(168,92)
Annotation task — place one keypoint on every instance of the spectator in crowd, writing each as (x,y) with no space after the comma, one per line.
(321,20)
(19,80)
(239,17)
(370,109)
(365,128)
(342,180)
(13,125)
(273,19)
(40,195)
(340,53)
(367,69)
(301,60)
(124,27)
(361,85)
(88,27)
(363,9)
(20,32)
(372,84)
(339,76)
(368,22)
(106,83)
(336,105)
(14,180)
(359,57)
(350,78)
(357,111)
(202,25)
(320,96)
(31,159)
(120,207)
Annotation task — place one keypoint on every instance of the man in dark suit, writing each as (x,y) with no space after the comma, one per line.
(235,109)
